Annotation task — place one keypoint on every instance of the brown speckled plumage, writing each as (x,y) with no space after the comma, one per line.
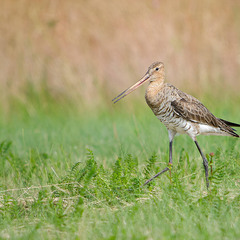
(186,107)
(179,112)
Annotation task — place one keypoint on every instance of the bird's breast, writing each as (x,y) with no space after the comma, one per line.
(158,99)
(160,103)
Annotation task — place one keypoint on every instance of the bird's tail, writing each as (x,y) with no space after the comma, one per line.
(231,124)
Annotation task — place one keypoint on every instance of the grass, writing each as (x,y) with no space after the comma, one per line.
(65,175)
(77,172)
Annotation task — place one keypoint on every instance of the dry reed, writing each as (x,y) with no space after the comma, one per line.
(78,47)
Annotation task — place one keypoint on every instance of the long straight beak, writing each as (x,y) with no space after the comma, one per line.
(132,88)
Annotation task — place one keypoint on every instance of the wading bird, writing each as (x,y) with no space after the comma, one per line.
(179,112)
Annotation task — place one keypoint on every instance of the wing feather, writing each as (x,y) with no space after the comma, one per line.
(193,110)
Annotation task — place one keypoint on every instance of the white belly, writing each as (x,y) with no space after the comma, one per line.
(209,130)
(193,129)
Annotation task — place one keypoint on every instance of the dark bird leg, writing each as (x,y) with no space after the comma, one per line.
(149,180)
(205,163)
(171,136)
(170,160)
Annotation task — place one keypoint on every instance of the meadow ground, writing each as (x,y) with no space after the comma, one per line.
(69,174)
(72,171)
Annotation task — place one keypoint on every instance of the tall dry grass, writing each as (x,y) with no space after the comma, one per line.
(77,47)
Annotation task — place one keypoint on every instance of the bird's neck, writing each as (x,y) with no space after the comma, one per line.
(153,90)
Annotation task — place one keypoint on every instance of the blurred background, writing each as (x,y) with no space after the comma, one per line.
(89,51)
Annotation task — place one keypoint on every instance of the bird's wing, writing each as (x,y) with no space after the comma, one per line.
(191,109)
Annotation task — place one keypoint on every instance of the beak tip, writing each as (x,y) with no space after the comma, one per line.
(132,88)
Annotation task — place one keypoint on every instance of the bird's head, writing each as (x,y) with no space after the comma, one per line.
(155,73)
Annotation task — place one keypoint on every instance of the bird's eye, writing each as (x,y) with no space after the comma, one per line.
(157,69)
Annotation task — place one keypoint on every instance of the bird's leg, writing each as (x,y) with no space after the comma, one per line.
(149,180)
(171,135)
(170,160)
(205,163)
